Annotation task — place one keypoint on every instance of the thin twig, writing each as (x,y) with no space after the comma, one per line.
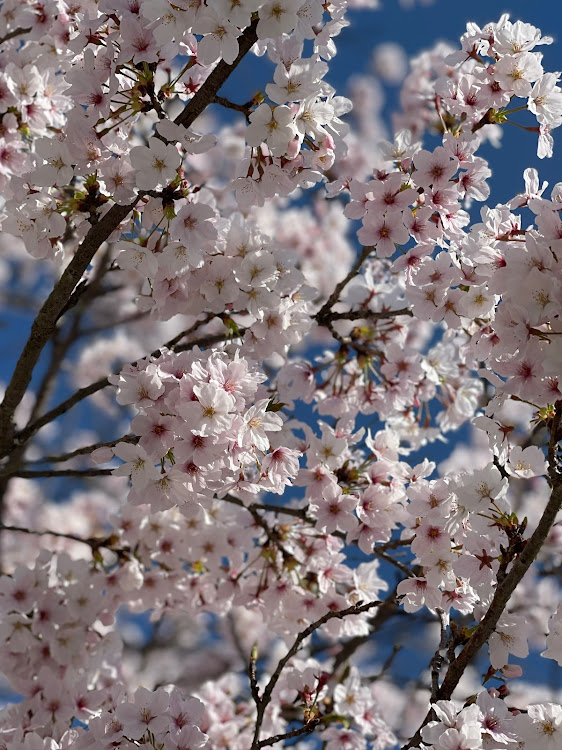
(305,729)
(283,510)
(272,534)
(553,441)
(387,609)
(93,542)
(252,673)
(368,314)
(82,451)
(32,474)
(112,324)
(322,314)
(24,435)
(227,104)
(387,664)
(16,32)
(397,564)
(263,702)
(214,338)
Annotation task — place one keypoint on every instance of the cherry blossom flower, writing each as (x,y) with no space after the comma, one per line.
(257,422)
(272,125)
(58,169)
(156,164)
(383,232)
(526,462)
(145,713)
(138,464)
(277,17)
(220,38)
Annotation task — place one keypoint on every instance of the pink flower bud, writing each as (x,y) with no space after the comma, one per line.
(101,455)
(511,671)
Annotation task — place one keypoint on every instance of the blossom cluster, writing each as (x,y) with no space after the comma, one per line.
(201,422)
(488,720)
(101,70)
(477,84)
(268,483)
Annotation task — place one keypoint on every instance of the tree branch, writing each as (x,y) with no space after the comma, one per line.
(368,314)
(82,451)
(386,610)
(323,314)
(93,542)
(305,729)
(437,659)
(243,108)
(20,31)
(50,473)
(397,564)
(24,435)
(215,80)
(263,702)
(44,324)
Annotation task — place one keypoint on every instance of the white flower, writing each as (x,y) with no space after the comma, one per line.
(515,73)
(156,165)
(296,83)
(194,224)
(527,462)
(138,465)
(545,733)
(312,116)
(272,125)
(545,100)
(258,421)
(554,637)
(193,143)
(210,414)
(220,39)
(509,637)
(58,168)
(140,258)
(278,17)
